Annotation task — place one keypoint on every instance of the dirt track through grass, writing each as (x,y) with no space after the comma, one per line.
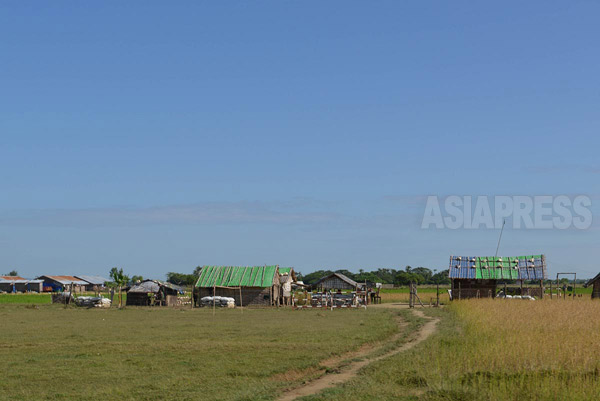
(351,371)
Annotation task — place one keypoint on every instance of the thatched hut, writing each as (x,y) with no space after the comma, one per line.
(479,276)
(250,285)
(596,286)
(153,292)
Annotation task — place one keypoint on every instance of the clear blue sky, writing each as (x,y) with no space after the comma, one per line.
(158,136)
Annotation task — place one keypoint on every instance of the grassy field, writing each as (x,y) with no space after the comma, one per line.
(46,298)
(484,350)
(49,352)
(493,350)
(25,299)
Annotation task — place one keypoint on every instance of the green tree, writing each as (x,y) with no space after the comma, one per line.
(346,273)
(313,277)
(197,271)
(135,279)
(181,278)
(423,272)
(440,278)
(120,279)
(13,273)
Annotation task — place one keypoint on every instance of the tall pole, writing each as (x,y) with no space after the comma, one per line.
(500,239)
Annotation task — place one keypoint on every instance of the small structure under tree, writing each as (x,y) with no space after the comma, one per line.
(153,293)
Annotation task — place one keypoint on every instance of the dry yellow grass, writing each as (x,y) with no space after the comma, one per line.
(533,335)
(493,350)
(517,349)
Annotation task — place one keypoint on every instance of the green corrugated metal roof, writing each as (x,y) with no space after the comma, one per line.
(236,276)
(283,270)
(498,268)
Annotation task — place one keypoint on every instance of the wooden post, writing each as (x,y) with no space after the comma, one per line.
(550,289)
(214,301)
(541,289)
(459,290)
(437,303)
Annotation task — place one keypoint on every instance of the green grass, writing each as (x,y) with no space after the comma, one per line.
(25,298)
(46,298)
(49,352)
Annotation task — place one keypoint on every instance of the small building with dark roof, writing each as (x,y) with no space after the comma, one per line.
(153,292)
(60,283)
(93,281)
(336,281)
(595,282)
(20,284)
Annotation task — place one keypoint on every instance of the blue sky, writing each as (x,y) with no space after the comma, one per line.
(158,136)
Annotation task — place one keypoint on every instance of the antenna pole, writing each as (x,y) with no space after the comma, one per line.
(500,239)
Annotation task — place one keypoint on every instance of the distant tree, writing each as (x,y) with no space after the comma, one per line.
(423,272)
(197,271)
(367,276)
(386,275)
(13,273)
(313,277)
(440,278)
(347,273)
(406,277)
(181,278)
(135,279)
(120,279)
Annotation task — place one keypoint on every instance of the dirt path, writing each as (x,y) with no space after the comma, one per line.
(333,379)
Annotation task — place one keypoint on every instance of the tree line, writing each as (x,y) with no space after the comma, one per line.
(417,275)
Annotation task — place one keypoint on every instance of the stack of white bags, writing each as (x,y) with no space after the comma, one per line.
(225,302)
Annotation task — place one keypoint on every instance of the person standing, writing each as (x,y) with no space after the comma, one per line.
(287,289)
